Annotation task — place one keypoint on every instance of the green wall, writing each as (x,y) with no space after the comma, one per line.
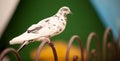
(83,21)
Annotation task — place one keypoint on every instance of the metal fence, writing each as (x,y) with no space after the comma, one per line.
(111,47)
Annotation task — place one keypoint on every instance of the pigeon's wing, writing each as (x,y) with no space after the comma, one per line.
(46,27)
(34,29)
(50,26)
(29,36)
(42,29)
(23,37)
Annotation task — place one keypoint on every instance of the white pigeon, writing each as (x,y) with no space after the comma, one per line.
(44,29)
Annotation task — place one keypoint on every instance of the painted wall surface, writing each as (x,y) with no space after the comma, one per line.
(109,12)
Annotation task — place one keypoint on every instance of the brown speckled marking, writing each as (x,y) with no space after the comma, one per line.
(61,19)
(56,32)
(30,40)
(54,25)
(34,30)
(65,18)
(49,27)
(47,20)
(63,23)
(60,13)
(60,29)
(65,15)
(57,16)
(65,9)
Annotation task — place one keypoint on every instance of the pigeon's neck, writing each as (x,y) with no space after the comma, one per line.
(61,14)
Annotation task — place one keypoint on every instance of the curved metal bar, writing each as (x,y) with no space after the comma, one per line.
(6,51)
(93,52)
(110,51)
(69,45)
(54,51)
(105,37)
(40,48)
(75,58)
(118,47)
(91,35)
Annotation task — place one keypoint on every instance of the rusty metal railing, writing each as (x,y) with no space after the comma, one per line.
(111,47)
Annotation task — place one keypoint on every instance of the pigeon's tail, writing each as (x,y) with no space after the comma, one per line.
(16,41)
(22,38)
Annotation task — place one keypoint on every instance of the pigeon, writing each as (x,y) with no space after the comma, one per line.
(45,29)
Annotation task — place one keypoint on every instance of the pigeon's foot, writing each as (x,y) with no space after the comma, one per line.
(48,40)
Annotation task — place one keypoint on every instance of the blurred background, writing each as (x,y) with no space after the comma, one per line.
(88,16)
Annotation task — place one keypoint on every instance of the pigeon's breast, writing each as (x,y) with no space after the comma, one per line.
(60,26)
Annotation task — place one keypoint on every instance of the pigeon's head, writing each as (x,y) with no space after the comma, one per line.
(65,10)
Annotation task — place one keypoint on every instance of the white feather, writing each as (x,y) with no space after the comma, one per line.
(49,27)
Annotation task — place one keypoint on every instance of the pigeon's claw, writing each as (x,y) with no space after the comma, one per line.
(48,40)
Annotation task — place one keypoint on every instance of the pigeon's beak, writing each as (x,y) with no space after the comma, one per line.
(70,12)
